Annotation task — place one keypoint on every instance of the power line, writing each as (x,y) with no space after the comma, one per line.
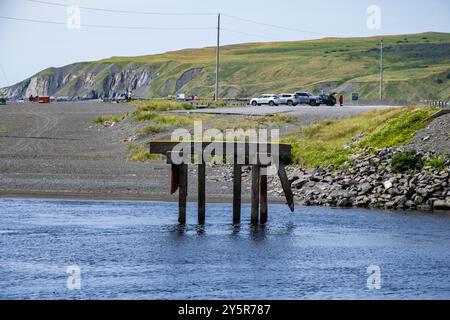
(106,26)
(125,11)
(278,26)
(185,14)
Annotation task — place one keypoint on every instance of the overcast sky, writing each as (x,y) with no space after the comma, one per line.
(28,47)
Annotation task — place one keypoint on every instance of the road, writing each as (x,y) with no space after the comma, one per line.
(316,112)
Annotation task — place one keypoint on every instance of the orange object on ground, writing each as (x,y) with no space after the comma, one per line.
(44,99)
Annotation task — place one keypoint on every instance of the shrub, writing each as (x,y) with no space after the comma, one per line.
(405,161)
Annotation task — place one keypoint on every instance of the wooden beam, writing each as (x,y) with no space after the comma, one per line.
(286,186)
(255,194)
(182,193)
(237,191)
(163,147)
(201,192)
(263,199)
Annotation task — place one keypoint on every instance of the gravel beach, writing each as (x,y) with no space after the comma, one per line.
(55,151)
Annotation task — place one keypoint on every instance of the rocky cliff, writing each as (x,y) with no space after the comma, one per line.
(92,81)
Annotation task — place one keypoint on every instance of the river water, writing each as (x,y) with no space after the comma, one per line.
(136,250)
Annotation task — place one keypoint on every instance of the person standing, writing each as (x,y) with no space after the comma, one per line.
(341,100)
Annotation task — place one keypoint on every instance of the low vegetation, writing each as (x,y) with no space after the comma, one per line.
(109,118)
(3,130)
(405,161)
(332,142)
(162,122)
(438,162)
(138,152)
(160,105)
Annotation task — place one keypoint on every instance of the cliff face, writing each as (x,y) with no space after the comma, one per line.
(92,80)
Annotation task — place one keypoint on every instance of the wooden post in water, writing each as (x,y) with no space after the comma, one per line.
(201,192)
(237,186)
(255,194)
(263,198)
(259,201)
(182,193)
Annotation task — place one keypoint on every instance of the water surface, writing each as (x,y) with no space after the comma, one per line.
(136,250)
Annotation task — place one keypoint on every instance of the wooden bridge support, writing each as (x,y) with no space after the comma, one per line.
(182,193)
(237,192)
(201,193)
(259,199)
(263,198)
(255,194)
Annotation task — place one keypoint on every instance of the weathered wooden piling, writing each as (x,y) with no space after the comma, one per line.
(255,193)
(237,192)
(201,193)
(263,198)
(259,200)
(182,193)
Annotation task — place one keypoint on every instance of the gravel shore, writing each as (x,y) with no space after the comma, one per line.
(55,151)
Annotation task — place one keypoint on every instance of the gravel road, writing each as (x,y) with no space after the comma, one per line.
(54,150)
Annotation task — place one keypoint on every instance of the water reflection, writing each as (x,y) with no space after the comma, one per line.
(201,229)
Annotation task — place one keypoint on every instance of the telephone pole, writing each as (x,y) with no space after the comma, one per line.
(381,70)
(216,94)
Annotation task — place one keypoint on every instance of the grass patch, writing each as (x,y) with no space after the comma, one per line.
(162,122)
(438,162)
(3,130)
(109,118)
(278,118)
(160,105)
(138,152)
(332,142)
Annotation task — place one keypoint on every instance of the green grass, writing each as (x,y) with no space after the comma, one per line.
(163,122)
(437,162)
(109,118)
(160,105)
(330,142)
(414,69)
(3,130)
(138,152)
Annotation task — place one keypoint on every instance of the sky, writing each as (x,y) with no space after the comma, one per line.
(29,47)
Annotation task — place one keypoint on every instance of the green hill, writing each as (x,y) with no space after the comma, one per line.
(416,67)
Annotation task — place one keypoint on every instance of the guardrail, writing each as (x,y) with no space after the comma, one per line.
(437,103)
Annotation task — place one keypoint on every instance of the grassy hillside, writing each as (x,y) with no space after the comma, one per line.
(417,67)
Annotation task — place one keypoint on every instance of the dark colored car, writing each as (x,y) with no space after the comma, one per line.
(328,99)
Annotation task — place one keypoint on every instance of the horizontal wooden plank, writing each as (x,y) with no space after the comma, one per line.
(163,147)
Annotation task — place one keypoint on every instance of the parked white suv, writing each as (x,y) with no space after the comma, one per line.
(270,99)
(288,98)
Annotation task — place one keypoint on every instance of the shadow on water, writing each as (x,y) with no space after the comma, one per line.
(258,232)
(178,229)
(200,229)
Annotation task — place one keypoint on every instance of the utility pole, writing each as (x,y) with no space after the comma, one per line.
(381,70)
(216,95)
